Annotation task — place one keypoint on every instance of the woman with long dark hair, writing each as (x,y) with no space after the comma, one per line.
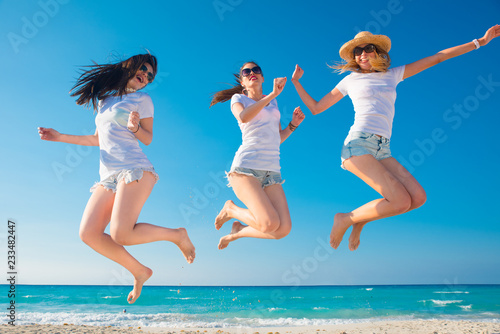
(124,117)
(371,85)
(255,173)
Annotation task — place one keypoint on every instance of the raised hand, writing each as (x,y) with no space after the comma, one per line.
(133,121)
(297,74)
(48,134)
(279,84)
(491,33)
(298,116)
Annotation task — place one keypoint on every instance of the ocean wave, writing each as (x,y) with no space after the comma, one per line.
(173,320)
(454,292)
(369,289)
(466,307)
(111,297)
(441,302)
(320,308)
(179,320)
(272,309)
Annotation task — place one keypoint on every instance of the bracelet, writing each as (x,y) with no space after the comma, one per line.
(476,43)
(291,126)
(138,126)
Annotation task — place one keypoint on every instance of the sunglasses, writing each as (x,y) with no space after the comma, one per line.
(246,71)
(150,75)
(368,49)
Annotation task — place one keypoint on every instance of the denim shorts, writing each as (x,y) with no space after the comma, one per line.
(360,143)
(265,177)
(128,175)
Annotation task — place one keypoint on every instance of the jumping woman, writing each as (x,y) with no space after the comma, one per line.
(124,117)
(366,151)
(255,172)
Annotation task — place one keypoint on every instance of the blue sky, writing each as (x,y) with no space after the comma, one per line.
(444,131)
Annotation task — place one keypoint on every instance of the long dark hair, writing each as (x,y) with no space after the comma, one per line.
(101,81)
(227,94)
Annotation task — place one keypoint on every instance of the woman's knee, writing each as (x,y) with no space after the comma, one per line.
(402,203)
(86,236)
(119,236)
(269,223)
(282,231)
(418,199)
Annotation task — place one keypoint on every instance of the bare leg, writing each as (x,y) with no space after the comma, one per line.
(396,199)
(417,194)
(224,214)
(94,221)
(261,214)
(125,230)
(277,197)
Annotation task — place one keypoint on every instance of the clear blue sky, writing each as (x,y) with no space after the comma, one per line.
(453,238)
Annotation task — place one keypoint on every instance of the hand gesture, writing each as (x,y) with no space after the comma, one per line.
(491,33)
(297,74)
(48,134)
(298,117)
(133,121)
(279,84)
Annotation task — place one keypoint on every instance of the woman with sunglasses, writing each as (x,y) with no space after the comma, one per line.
(366,152)
(124,117)
(255,172)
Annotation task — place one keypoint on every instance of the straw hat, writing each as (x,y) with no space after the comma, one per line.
(364,37)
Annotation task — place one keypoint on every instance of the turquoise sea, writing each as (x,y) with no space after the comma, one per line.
(249,306)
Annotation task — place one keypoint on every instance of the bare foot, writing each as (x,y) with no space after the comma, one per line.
(341,223)
(225,240)
(138,283)
(223,215)
(354,237)
(185,245)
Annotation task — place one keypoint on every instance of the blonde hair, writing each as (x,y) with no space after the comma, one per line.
(380,63)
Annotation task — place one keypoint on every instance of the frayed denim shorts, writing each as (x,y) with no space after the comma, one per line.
(128,175)
(265,177)
(361,143)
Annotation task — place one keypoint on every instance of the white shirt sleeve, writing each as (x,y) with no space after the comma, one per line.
(343,84)
(145,107)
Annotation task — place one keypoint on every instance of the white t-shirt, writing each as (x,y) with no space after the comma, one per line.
(261,137)
(118,145)
(373,96)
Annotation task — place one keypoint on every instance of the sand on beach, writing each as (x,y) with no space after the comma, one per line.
(378,327)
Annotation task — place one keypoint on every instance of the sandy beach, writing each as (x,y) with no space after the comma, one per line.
(381,327)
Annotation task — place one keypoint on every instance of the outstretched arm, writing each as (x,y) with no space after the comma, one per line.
(53,135)
(425,63)
(316,107)
(297,118)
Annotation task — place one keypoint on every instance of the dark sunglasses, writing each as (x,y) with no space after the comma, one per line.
(358,51)
(246,71)
(150,75)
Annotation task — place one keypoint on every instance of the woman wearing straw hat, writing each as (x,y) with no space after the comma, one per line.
(366,152)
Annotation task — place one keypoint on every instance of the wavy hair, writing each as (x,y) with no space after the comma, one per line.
(227,94)
(380,63)
(96,82)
